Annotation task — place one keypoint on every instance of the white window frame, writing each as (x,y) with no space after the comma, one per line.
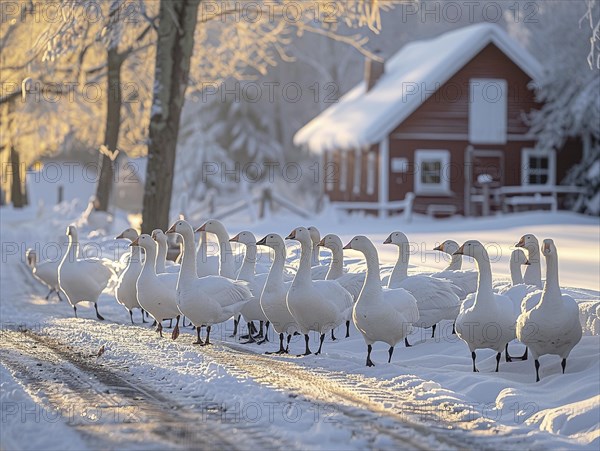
(488,114)
(432,155)
(526,154)
(357,171)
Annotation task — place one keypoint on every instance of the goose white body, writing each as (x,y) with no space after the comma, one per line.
(126,290)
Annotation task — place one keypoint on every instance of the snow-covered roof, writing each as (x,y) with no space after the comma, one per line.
(361,118)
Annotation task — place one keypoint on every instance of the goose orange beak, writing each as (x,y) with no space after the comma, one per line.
(202,228)
(235,239)
(388,240)
(136,242)
(521,242)
(292,235)
(322,243)
(262,242)
(119,237)
(171,229)
(439,248)
(348,246)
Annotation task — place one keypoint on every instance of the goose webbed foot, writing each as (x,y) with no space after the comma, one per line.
(98,315)
(369,361)
(307,351)
(199,340)
(321,343)
(207,341)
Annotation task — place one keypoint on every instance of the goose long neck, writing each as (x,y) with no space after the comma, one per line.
(315,255)
(150,262)
(161,257)
(136,255)
(226,267)
(484,280)
(188,260)
(72,249)
(304,268)
(455,263)
(373,277)
(515,272)
(533,272)
(275,277)
(249,265)
(400,271)
(336,267)
(552,294)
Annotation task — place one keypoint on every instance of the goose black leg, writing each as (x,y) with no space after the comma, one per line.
(333,336)
(98,315)
(183,322)
(59,296)
(498,361)
(307,351)
(266,335)
(369,361)
(249,336)
(406,343)
(236,321)
(508,356)
(49,293)
(281,348)
(143,319)
(175,332)
(321,343)
(390,352)
(160,328)
(433,330)
(537,370)
(563,364)
(347,328)
(260,331)
(131,316)
(454,328)
(473,355)
(207,341)
(199,340)
(170,322)
(75,310)
(287,347)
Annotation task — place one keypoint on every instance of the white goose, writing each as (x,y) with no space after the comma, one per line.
(436,298)
(466,280)
(533,272)
(228,266)
(273,297)
(81,279)
(488,319)
(156,292)
(318,271)
(319,305)
(251,311)
(352,282)
(551,326)
(518,290)
(126,291)
(207,265)
(45,272)
(381,314)
(162,264)
(208,300)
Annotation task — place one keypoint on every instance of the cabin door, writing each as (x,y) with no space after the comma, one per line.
(482,166)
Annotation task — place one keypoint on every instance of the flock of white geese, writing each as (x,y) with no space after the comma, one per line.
(308,296)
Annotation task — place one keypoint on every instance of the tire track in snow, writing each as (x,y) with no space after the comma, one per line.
(105,408)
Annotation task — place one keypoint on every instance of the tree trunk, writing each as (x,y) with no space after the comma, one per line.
(111,132)
(174,50)
(16,191)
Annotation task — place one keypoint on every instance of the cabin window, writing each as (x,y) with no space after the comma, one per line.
(487,110)
(357,171)
(538,167)
(343,171)
(432,172)
(371,168)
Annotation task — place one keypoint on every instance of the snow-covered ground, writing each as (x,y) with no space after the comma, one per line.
(325,402)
